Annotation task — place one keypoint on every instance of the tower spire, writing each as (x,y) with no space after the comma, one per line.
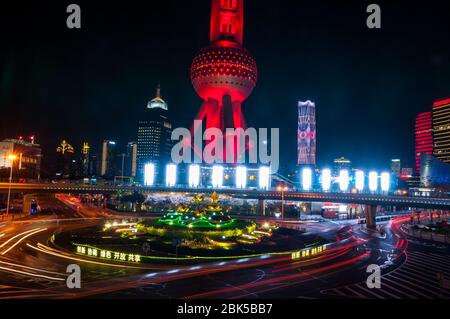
(158,90)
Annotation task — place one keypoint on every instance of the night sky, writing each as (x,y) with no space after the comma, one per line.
(94,83)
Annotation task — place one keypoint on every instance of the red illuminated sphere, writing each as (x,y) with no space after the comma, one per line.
(218,71)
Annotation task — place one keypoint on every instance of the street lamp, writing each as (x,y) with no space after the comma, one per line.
(12,158)
(282,189)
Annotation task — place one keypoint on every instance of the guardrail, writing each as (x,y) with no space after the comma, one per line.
(427,235)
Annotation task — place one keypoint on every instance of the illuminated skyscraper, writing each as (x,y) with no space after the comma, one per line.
(424,137)
(396,167)
(306,135)
(154,143)
(85,155)
(441,130)
(109,159)
(131,163)
(224,73)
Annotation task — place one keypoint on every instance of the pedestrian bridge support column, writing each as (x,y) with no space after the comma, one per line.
(261,207)
(371,213)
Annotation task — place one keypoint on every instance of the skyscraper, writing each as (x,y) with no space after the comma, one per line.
(424,137)
(396,167)
(29,155)
(154,142)
(441,130)
(109,159)
(306,135)
(85,150)
(131,163)
(224,73)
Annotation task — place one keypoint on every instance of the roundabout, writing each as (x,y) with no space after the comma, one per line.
(196,232)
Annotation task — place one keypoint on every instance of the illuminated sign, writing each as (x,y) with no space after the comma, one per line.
(241,177)
(306,179)
(264,177)
(373,181)
(344,180)
(326,179)
(106,254)
(171,175)
(307,252)
(194,176)
(149,174)
(385,182)
(359,180)
(217,176)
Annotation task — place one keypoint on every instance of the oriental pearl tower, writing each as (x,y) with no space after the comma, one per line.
(224,73)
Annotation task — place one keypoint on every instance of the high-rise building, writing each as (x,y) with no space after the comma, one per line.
(341,163)
(396,167)
(65,165)
(224,73)
(306,134)
(154,144)
(29,156)
(109,159)
(85,155)
(441,130)
(131,163)
(424,137)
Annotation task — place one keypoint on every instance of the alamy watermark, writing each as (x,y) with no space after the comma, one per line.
(233,146)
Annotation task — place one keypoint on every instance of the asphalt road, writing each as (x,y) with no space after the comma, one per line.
(31,267)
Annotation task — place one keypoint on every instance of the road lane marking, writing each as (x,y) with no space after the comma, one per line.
(433,285)
(397,282)
(369,291)
(409,280)
(384,284)
(355,293)
(435,258)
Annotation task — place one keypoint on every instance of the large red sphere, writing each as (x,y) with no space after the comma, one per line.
(217,71)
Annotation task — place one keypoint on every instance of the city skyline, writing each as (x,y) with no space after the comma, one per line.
(298,150)
(378,88)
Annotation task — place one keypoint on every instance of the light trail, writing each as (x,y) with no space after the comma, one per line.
(23,238)
(26,273)
(18,235)
(277,279)
(31,268)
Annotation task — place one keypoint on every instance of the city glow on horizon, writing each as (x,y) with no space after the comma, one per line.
(194,176)
(171,175)
(385,182)
(217,176)
(373,181)
(326,179)
(241,177)
(149,174)
(344,180)
(306,179)
(359,181)
(264,177)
